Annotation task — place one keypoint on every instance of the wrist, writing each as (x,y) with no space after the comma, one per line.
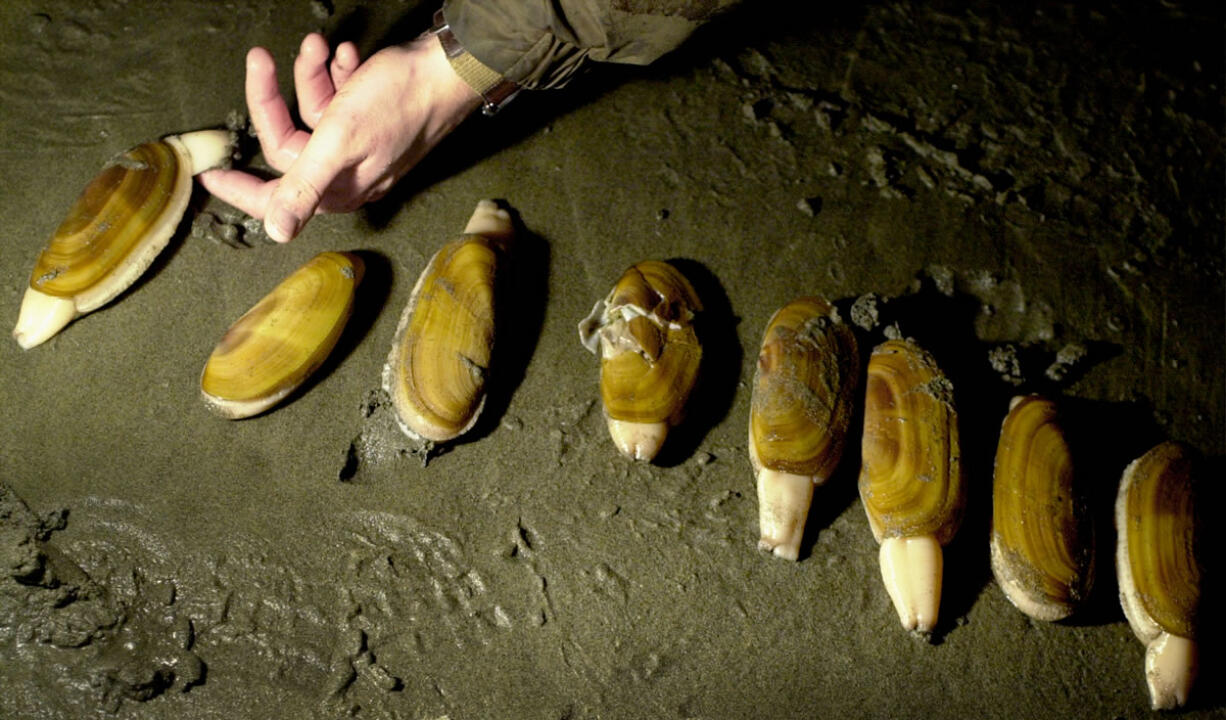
(451,94)
(494,89)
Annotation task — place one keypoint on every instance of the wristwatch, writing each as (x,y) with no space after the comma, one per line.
(495,90)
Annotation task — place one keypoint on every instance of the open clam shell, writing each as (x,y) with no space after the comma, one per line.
(114,230)
(276,345)
(1158,568)
(436,371)
(1042,532)
(911,479)
(803,393)
(649,354)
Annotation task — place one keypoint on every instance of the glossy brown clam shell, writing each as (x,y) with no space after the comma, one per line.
(911,480)
(1156,519)
(803,391)
(108,221)
(441,356)
(121,221)
(650,353)
(438,367)
(277,344)
(1042,531)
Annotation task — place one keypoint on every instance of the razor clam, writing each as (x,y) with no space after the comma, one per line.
(436,370)
(806,376)
(276,345)
(911,479)
(1158,568)
(1042,537)
(114,230)
(649,354)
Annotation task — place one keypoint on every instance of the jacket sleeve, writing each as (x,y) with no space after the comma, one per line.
(542,43)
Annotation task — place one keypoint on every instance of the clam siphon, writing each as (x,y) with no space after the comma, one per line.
(1042,537)
(123,218)
(437,369)
(910,480)
(643,332)
(804,383)
(1158,568)
(276,345)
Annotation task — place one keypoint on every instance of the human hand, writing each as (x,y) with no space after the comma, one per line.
(368,124)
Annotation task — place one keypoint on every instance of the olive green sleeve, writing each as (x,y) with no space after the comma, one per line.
(542,43)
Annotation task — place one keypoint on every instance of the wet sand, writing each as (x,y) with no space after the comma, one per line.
(1035,195)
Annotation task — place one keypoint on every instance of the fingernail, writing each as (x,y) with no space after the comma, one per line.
(281,225)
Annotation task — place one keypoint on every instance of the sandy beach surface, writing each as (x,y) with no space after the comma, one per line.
(1035,194)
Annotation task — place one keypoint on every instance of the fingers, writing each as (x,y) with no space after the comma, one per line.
(242,190)
(301,189)
(311,161)
(279,139)
(322,169)
(344,63)
(312,78)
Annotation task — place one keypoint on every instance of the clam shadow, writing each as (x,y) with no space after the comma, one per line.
(720,372)
(842,489)
(1038,366)
(480,137)
(944,325)
(832,498)
(1210,497)
(1104,437)
(369,299)
(522,291)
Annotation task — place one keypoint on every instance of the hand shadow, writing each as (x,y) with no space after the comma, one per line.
(480,137)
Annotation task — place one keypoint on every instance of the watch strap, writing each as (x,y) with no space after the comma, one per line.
(495,90)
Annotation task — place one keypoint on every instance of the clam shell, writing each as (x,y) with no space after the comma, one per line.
(806,377)
(649,354)
(1158,568)
(1042,533)
(276,345)
(910,479)
(436,371)
(114,230)
(1159,572)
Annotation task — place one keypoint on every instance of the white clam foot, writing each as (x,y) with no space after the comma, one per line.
(1170,669)
(490,221)
(783,507)
(203,149)
(911,568)
(42,316)
(640,441)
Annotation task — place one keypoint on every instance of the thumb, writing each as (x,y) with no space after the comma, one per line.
(302,188)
